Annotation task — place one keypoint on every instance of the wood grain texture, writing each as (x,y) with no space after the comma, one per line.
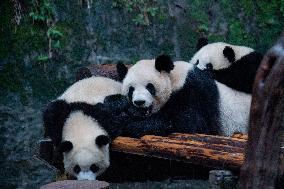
(206,150)
(106,70)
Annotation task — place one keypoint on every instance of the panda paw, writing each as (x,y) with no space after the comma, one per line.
(116,102)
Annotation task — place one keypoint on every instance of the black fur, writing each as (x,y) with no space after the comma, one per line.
(240,75)
(115,104)
(94,168)
(121,71)
(164,63)
(229,53)
(77,169)
(65,146)
(110,115)
(151,88)
(201,43)
(102,140)
(130,93)
(209,67)
(193,109)
(54,117)
(196,63)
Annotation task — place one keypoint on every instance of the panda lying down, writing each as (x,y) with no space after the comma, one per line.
(156,97)
(80,124)
(179,97)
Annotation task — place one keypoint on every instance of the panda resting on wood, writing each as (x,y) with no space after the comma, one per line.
(80,123)
(179,97)
(234,66)
(169,97)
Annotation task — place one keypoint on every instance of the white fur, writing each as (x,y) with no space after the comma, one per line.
(82,131)
(213,53)
(179,74)
(234,106)
(234,109)
(144,72)
(86,175)
(91,90)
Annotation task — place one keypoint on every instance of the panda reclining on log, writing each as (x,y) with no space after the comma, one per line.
(179,97)
(80,123)
(235,66)
(160,97)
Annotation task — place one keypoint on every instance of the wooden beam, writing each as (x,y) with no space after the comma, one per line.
(206,150)
(106,70)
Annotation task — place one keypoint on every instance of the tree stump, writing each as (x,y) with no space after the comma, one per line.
(264,163)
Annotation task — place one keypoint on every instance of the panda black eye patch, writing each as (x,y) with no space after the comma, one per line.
(130,92)
(77,169)
(94,168)
(151,88)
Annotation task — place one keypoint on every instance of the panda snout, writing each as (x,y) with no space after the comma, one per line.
(139,103)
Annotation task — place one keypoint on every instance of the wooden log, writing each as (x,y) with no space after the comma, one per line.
(106,70)
(264,163)
(193,148)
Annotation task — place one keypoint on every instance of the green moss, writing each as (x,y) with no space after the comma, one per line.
(248,7)
(199,14)
(28,38)
(236,32)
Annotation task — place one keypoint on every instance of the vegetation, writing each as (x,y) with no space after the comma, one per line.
(46,32)
(142,10)
(43,42)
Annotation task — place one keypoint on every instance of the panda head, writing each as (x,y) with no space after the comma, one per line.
(147,84)
(85,146)
(218,55)
(80,137)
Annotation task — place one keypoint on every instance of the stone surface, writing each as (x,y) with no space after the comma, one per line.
(222,179)
(75,184)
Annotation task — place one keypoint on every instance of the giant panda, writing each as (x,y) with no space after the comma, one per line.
(188,98)
(171,97)
(234,66)
(79,123)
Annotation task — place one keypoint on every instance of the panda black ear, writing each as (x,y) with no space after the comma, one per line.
(229,53)
(201,43)
(65,146)
(164,63)
(102,140)
(121,70)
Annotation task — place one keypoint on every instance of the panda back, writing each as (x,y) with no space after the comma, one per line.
(194,106)
(234,107)
(91,90)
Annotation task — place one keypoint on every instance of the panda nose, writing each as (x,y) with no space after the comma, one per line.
(139,102)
